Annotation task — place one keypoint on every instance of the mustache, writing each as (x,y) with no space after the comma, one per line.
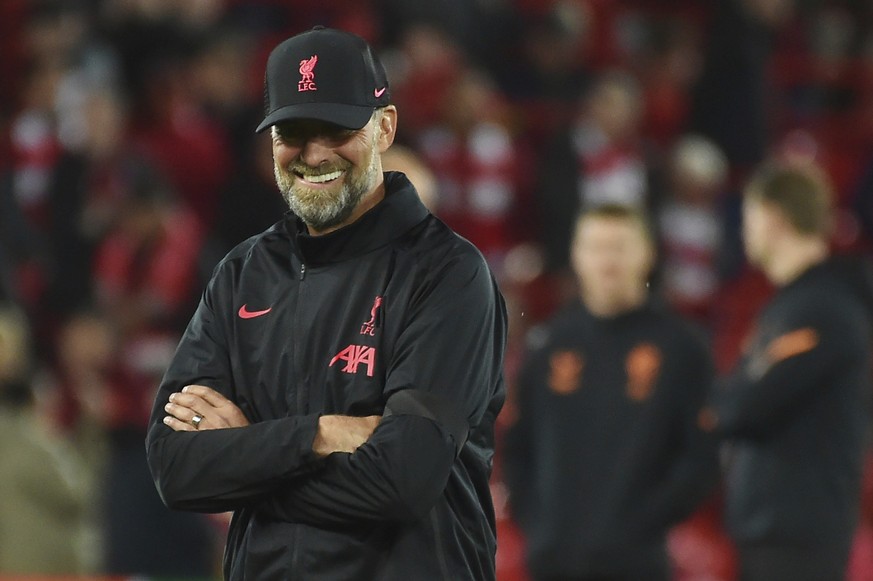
(300,168)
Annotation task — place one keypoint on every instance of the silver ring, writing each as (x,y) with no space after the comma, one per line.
(195,421)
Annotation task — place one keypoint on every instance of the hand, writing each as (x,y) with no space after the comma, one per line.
(343,433)
(215,410)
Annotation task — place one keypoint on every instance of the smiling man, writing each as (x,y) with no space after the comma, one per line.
(338,384)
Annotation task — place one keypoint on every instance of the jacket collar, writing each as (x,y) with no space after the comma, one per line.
(400,210)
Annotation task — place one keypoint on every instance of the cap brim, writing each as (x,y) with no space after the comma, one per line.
(348,116)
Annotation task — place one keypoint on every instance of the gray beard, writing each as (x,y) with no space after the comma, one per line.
(320,209)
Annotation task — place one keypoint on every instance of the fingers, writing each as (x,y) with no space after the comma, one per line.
(212,397)
(216,410)
(182,413)
(192,402)
(178,425)
(225,412)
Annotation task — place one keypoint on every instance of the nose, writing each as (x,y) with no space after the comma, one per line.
(315,151)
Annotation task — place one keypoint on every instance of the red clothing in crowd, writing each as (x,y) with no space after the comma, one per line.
(164,270)
(481,191)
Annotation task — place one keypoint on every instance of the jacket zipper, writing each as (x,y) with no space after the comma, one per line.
(295,554)
(302,400)
(389,272)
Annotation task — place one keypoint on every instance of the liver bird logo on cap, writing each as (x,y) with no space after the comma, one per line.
(307,74)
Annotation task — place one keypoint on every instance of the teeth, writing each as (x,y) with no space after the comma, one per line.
(320,179)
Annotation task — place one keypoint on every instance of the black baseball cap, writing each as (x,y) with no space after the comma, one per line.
(324,74)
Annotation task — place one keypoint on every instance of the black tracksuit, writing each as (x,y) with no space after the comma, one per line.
(393,314)
(605,454)
(795,413)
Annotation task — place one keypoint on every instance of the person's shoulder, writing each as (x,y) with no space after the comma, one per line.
(567,322)
(434,243)
(680,329)
(823,299)
(264,242)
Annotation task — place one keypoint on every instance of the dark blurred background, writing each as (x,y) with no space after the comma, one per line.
(129,165)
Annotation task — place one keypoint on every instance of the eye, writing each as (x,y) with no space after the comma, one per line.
(298,133)
(287,134)
(339,134)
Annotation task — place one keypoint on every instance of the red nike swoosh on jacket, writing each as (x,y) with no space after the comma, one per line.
(244,313)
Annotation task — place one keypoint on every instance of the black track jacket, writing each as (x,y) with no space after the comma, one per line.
(393,315)
(606,454)
(796,411)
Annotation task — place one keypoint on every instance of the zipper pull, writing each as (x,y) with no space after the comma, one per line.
(302,271)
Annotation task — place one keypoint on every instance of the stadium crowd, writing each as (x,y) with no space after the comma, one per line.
(129,166)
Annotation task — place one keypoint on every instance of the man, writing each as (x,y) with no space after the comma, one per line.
(338,384)
(605,454)
(795,410)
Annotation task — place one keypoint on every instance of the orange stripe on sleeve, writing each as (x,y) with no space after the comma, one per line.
(791,344)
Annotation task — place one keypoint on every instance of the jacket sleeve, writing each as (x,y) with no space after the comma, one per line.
(219,470)
(785,373)
(695,470)
(446,367)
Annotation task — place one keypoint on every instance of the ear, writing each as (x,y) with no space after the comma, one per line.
(387,128)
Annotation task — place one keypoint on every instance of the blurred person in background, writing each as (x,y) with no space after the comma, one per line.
(167,62)
(101,397)
(596,159)
(424,67)
(94,174)
(410,163)
(729,100)
(223,84)
(668,62)
(77,387)
(43,496)
(605,455)
(480,168)
(249,202)
(81,377)
(64,59)
(60,55)
(691,228)
(145,268)
(544,70)
(795,413)
(18,245)
(144,275)
(25,187)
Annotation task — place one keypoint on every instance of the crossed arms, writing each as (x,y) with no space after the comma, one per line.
(335,433)
(331,470)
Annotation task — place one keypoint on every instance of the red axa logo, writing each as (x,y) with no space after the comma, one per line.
(355,355)
(369,328)
(307,74)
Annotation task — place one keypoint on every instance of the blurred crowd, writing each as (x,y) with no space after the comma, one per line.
(129,166)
